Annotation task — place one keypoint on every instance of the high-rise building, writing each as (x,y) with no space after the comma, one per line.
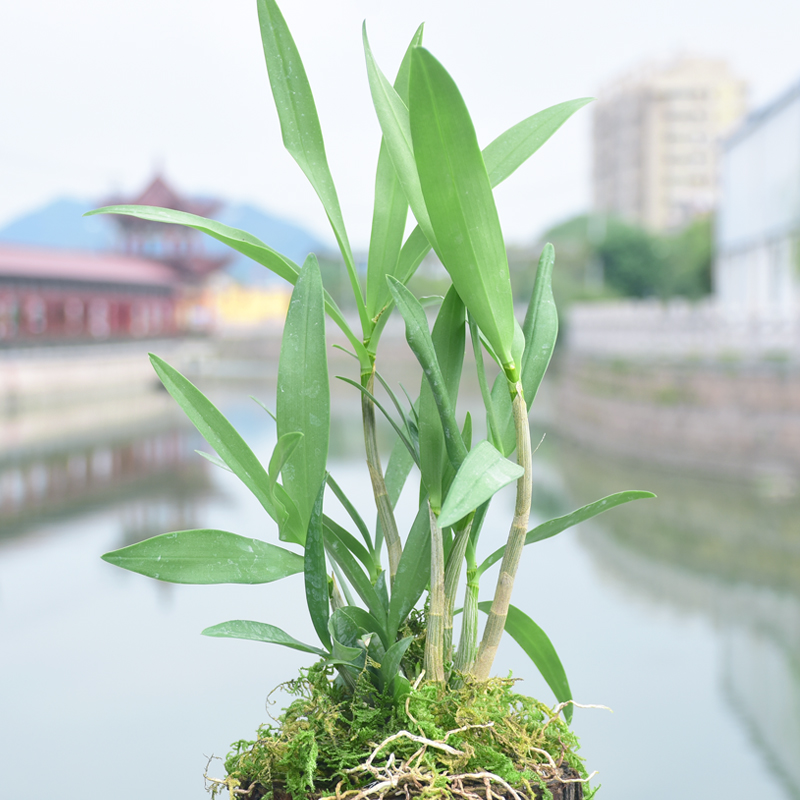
(656,141)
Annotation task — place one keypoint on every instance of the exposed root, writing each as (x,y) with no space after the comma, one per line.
(410,778)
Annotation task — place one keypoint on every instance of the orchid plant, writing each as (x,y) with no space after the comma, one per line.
(360,597)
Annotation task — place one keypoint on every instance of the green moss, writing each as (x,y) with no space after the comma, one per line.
(325,736)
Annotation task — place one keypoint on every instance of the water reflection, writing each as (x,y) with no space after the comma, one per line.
(136,455)
(729,551)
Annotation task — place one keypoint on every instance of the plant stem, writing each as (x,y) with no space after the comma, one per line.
(468,644)
(382,501)
(434,641)
(516,541)
(452,574)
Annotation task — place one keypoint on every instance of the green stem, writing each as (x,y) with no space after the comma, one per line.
(516,541)
(434,641)
(452,575)
(468,644)
(382,501)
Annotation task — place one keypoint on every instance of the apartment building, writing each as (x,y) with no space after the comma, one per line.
(656,140)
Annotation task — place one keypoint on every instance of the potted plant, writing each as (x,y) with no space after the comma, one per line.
(394,705)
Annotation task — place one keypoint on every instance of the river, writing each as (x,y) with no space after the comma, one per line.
(681,614)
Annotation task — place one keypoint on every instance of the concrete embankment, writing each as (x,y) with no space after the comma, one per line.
(734,417)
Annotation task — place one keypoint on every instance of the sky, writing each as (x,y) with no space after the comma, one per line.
(95,96)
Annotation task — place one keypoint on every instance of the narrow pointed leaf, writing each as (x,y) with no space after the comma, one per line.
(315,572)
(259,632)
(352,512)
(394,120)
(390,209)
(483,473)
(207,556)
(448,338)
(502,157)
(218,432)
(283,449)
(459,199)
(516,145)
(303,394)
(353,545)
(216,460)
(540,331)
(559,524)
(421,343)
(413,571)
(300,128)
(390,666)
(538,647)
(355,575)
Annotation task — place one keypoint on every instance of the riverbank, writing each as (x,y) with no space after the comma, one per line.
(719,416)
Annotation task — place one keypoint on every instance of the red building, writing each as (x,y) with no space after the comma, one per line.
(49,295)
(180,247)
(152,287)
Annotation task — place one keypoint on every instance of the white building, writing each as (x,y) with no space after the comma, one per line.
(757,269)
(656,140)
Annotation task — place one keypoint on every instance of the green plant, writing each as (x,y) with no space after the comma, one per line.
(429,161)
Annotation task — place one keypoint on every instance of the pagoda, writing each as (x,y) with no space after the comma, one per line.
(179,247)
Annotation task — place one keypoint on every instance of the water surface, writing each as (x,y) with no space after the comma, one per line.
(681,614)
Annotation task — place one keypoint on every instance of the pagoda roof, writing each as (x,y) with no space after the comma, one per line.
(160,193)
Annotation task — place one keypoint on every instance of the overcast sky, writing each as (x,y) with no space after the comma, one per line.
(97,94)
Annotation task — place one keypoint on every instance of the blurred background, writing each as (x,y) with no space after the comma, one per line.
(673,202)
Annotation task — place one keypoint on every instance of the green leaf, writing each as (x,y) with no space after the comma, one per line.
(516,145)
(218,432)
(540,330)
(284,447)
(502,157)
(390,209)
(300,128)
(259,632)
(352,512)
(303,394)
(244,243)
(555,526)
(448,338)
(533,640)
(339,552)
(207,556)
(413,571)
(353,545)
(264,406)
(421,343)
(395,124)
(390,666)
(215,460)
(315,572)
(366,621)
(459,199)
(483,473)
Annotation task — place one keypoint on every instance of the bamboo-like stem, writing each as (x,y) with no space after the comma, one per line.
(516,541)
(434,641)
(468,643)
(382,501)
(452,575)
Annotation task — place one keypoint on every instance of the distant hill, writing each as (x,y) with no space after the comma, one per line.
(62,224)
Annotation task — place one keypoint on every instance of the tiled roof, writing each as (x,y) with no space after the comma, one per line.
(19,261)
